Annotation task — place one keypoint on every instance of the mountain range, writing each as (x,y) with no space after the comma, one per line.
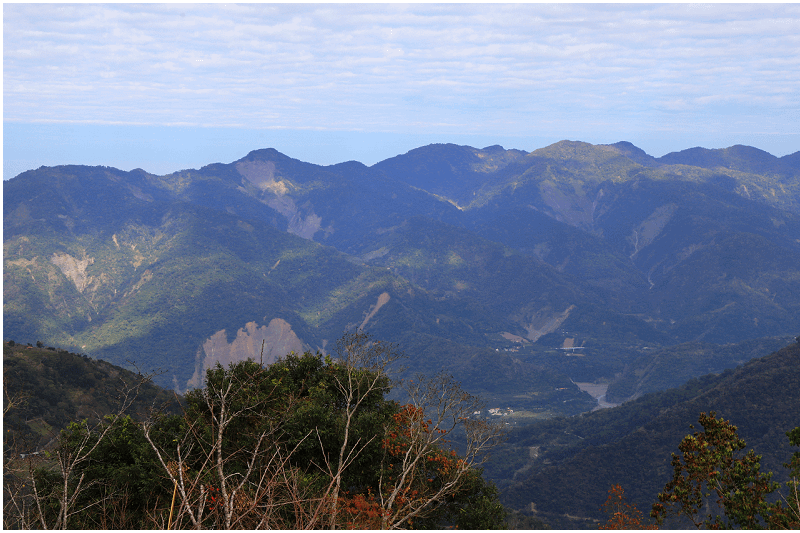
(521,273)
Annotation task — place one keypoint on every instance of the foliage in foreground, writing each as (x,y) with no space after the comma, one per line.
(709,468)
(710,477)
(308,442)
(621,514)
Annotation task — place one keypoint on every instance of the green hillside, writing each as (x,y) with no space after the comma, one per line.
(500,258)
(451,171)
(565,466)
(52,387)
(666,368)
(161,281)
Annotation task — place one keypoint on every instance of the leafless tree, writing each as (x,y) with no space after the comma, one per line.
(209,490)
(71,452)
(367,364)
(16,506)
(12,401)
(222,479)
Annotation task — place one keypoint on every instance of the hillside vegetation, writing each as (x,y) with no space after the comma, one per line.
(564,467)
(51,387)
(307,442)
(499,258)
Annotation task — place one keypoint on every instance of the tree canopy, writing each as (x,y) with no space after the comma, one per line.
(310,441)
(709,476)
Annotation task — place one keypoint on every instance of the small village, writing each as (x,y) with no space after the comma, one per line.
(496,411)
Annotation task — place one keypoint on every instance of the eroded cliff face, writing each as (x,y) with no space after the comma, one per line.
(382,300)
(74,269)
(274,192)
(277,337)
(545,321)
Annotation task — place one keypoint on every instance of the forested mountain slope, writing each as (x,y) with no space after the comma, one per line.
(500,257)
(565,466)
(46,388)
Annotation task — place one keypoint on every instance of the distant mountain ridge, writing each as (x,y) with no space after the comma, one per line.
(738,157)
(497,256)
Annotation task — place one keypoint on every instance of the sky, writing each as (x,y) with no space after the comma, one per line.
(166,87)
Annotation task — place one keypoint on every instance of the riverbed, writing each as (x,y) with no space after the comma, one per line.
(598,392)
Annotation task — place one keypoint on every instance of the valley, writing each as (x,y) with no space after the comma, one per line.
(598,392)
(573,241)
(555,284)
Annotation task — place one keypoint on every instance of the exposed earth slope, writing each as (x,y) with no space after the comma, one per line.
(515,271)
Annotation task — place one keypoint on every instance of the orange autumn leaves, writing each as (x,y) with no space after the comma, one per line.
(623,515)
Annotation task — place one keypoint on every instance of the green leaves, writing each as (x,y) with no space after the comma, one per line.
(709,466)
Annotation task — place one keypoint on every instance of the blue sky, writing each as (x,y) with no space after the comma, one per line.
(171,86)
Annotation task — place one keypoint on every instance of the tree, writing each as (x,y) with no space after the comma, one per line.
(111,488)
(788,517)
(418,474)
(16,514)
(59,480)
(473,506)
(709,465)
(360,381)
(311,442)
(622,515)
(123,474)
(225,461)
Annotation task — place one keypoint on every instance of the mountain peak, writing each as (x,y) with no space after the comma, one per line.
(493,148)
(264,154)
(572,150)
(737,157)
(634,153)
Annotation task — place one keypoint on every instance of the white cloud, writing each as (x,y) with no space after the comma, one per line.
(395,67)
